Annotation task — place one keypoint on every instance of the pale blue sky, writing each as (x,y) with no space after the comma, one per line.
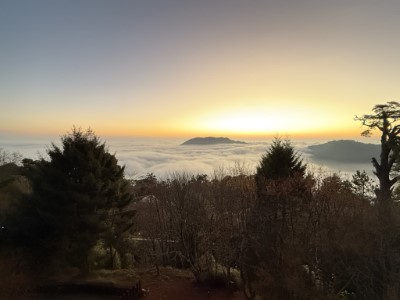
(196,67)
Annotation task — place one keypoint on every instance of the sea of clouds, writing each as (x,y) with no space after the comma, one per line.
(164,157)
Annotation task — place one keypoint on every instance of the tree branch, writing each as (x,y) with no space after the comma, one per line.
(376,165)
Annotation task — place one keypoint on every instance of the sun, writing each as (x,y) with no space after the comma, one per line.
(263,121)
(268,118)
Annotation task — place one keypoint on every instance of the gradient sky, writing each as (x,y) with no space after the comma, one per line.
(209,67)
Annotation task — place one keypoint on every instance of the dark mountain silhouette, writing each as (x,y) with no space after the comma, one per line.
(345,151)
(211,141)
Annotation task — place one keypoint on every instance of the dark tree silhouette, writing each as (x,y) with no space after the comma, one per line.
(385,118)
(77,195)
(280,161)
(275,223)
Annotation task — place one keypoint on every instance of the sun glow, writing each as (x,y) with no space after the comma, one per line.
(263,121)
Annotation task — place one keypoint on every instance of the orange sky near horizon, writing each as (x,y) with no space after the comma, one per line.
(298,123)
(197,68)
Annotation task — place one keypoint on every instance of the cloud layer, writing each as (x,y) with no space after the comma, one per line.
(167,157)
(164,157)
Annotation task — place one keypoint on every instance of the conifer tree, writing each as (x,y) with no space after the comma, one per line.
(75,194)
(279,162)
(274,223)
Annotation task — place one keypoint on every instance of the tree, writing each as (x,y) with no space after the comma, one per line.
(362,185)
(77,195)
(274,229)
(191,221)
(385,118)
(344,245)
(280,161)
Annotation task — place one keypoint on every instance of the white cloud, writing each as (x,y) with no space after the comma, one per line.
(166,156)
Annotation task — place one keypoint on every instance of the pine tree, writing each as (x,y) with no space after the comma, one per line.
(275,222)
(77,195)
(279,162)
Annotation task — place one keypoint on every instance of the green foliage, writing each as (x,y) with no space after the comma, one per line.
(79,195)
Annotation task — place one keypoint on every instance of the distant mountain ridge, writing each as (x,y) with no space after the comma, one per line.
(345,151)
(211,141)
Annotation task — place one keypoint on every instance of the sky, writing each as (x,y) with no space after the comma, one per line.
(196,68)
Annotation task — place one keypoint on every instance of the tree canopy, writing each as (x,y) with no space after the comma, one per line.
(386,119)
(75,195)
(280,161)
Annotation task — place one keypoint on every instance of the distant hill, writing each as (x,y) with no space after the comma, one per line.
(345,151)
(211,141)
